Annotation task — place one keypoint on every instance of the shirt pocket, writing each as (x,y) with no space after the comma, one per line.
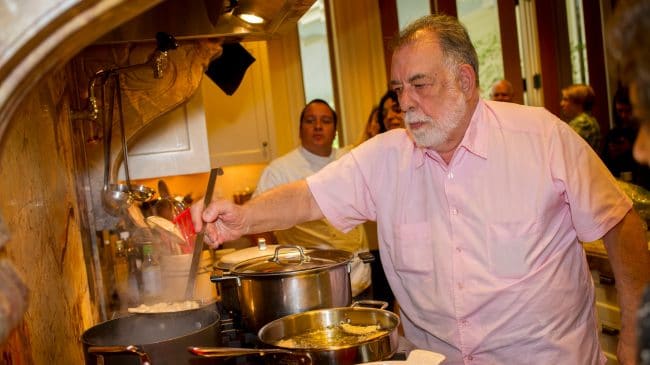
(413,251)
(510,247)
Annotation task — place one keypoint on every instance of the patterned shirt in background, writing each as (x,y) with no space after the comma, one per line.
(587,127)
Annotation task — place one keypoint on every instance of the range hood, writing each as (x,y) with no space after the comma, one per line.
(191,19)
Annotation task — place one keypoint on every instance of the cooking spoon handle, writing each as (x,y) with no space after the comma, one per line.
(198,244)
(302,358)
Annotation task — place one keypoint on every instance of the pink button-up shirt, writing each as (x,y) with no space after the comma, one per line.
(483,254)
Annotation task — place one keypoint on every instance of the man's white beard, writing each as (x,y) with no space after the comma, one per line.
(435,133)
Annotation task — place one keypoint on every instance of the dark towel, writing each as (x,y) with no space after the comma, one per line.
(228,70)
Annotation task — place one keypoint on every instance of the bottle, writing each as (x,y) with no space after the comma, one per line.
(134,281)
(121,268)
(151,274)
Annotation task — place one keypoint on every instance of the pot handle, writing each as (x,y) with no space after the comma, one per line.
(366,257)
(287,356)
(303,257)
(368,303)
(99,351)
(218,276)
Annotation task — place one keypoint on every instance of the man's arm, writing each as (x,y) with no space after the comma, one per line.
(630,260)
(278,208)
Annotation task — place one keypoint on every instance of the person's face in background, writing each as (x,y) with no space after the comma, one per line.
(501,92)
(569,109)
(372,127)
(394,115)
(625,114)
(317,129)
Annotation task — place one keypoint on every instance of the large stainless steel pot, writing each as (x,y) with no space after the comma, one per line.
(290,281)
(325,324)
(161,338)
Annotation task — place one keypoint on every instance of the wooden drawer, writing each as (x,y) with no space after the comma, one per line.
(605,288)
(608,337)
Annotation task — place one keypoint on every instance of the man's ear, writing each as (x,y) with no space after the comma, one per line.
(467,78)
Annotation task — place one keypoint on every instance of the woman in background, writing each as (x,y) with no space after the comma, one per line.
(373,126)
(577,103)
(390,113)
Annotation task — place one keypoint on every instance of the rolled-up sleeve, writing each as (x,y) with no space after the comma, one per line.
(342,192)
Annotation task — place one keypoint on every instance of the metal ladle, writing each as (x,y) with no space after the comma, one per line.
(118,197)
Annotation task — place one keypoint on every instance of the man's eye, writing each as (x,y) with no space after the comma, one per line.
(309,120)
(327,120)
(420,86)
(397,90)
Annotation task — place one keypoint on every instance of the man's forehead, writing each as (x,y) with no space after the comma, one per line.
(415,57)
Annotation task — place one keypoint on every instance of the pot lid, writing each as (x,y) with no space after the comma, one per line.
(290,259)
(229,260)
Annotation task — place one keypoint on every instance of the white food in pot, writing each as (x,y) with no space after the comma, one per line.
(165,307)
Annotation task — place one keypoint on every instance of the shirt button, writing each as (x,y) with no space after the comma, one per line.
(459,250)
(463,322)
(470,357)
(460,286)
(450,175)
(454,211)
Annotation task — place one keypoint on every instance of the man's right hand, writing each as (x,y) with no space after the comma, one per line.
(224,221)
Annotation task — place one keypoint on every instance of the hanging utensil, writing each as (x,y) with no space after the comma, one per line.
(198,244)
(137,192)
(115,197)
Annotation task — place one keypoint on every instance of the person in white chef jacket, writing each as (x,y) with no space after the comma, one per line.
(317,131)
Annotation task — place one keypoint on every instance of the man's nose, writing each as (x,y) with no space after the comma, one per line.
(406,101)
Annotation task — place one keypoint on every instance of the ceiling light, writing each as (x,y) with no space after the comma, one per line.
(251,18)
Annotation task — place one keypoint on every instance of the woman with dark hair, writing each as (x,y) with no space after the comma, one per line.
(390,114)
(373,127)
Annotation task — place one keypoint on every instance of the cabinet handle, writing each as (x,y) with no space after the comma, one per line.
(610,331)
(606,280)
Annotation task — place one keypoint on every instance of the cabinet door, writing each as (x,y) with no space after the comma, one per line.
(240,125)
(174,144)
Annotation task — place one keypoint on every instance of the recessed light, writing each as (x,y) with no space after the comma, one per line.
(251,18)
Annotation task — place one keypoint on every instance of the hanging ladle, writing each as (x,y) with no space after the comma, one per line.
(138,192)
(116,198)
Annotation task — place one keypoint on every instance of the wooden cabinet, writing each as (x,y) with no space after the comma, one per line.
(240,126)
(211,129)
(174,144)
(608,311)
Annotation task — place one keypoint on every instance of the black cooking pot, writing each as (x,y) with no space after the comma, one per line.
(161,338)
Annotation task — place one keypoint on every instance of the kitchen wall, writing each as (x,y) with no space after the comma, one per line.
(235,179)
(39,204)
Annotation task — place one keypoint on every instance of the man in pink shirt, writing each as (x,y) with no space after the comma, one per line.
(479,215)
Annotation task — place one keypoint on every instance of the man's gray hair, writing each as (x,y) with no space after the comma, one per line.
(454,39)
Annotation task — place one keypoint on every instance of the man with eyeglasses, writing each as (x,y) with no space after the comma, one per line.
(317,131)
